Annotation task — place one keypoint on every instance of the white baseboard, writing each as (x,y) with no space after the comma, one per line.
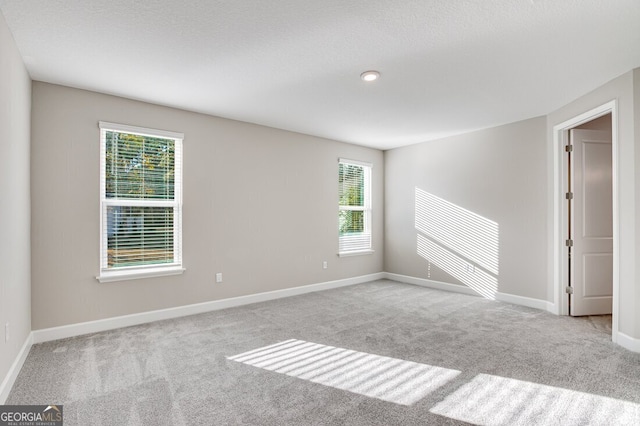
(11,376)
(503,297)
(430,283)
(552,308)
(628,342)
(54,333)
(524,301)
(72,330)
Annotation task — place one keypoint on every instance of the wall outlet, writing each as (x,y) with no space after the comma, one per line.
(471,268)
(6,332)
(325,265)
(219,277)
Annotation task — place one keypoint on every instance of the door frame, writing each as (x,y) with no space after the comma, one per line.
(560,211)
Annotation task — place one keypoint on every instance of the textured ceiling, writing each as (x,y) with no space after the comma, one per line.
(448,66)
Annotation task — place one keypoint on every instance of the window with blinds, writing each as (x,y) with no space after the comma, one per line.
(141,202)
(354,214)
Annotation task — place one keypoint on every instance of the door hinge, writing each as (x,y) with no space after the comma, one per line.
(569,243)
(568,148)
(569,289)
(569,195)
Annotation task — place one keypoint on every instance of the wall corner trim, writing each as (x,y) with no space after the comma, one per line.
(72,330)
(12,375)
(628,342)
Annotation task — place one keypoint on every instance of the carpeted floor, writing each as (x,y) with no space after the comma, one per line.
(341,357)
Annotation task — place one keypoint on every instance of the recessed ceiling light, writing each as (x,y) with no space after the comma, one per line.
(370,76)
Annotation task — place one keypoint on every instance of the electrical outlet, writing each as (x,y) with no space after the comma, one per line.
(6,332)
(325,265)
(471,268)
(219,277)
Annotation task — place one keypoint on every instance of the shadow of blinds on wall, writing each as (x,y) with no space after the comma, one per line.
(462,243)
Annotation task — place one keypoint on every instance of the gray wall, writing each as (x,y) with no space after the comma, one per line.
(260,206)
(15,287)
(600,123)
(499,174)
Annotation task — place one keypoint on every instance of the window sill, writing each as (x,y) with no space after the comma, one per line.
(111,276)
(356,253)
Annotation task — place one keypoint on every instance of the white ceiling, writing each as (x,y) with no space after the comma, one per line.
(448,66)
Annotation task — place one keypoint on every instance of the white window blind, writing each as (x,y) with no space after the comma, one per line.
(141,201)
(354,215)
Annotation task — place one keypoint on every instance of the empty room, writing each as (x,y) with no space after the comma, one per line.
(320,213)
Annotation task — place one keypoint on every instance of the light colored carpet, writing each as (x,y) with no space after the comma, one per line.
(510,364)
(388,379)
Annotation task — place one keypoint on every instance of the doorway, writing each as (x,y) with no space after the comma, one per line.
(599,263)
(590,218)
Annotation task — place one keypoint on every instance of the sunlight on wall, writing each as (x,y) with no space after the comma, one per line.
(493,400)
(389,379)
(462,243)
(462,231)
(478,280)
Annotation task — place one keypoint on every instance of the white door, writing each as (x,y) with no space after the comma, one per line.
(591,263)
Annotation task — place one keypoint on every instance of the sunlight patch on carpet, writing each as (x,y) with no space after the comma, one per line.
(389,379)
(493,400)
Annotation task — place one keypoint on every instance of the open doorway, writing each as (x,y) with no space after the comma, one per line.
(586,217)
(590,218)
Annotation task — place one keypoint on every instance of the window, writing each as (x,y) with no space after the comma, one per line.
(354,215)
(140,202)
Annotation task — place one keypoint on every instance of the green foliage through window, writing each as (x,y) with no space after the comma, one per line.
(141,201)
(351,221)
(351,179)
(139,166)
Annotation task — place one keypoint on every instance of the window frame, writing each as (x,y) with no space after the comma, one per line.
(366,208)
(108,274)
